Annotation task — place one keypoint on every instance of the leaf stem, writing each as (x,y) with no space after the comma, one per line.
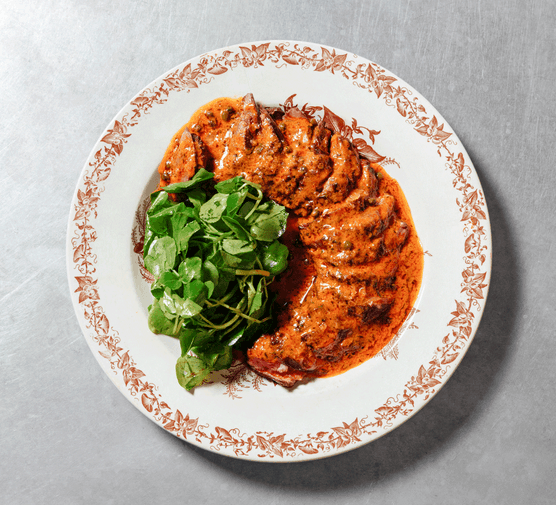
(253,272)
(259,199)
(238,312)
(219,326)
(176,325)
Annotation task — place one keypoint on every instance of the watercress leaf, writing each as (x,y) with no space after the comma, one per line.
(217,229)
(235,336)
(195,291)
(167,304)
(161,255)
(216,357)
(230,260)
(180,218)
(169,279)
(187,307)
(159,221)
(275,258)
(191,371)
(230,185)
(159,201)
(257,301)
(157,320)
(157,288)
(149,237)
(189,269)
(187,338)
(234,225)
(215,256)
(263,208)
(268,227)
(210,288)
(200,176)
(234,201)
(247,261)
(212,210)
(197,197)
(253,331)
(246,208)
(204,337)
(210,272)
(224,359)
(221,288)
(184,235)
(271,209)
(238,247)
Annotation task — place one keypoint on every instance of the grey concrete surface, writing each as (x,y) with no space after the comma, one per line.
(67,436)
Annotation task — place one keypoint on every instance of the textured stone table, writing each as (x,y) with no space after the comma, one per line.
(68,436)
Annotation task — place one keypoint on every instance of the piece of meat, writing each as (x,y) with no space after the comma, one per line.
(254,142)
(346,170)
(321,139)
(277,371)
(182,159)
(351,235)
(301,349)
(280,156)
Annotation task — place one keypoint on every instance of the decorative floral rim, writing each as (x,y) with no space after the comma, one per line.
(426,380)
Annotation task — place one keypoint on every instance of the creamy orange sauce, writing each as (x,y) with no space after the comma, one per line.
(355,263)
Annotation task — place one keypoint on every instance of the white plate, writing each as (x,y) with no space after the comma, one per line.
(240,414)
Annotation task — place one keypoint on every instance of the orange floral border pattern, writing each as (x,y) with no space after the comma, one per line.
(423,384)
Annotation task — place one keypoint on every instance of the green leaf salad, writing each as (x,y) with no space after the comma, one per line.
(213,255)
